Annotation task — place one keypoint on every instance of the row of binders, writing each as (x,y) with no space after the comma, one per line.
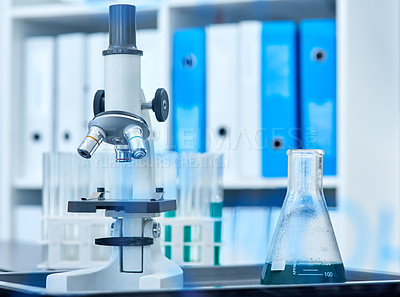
(253,90)
(61,75)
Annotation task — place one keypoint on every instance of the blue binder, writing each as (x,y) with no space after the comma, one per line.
(318,88)
(279,103)
(188,91)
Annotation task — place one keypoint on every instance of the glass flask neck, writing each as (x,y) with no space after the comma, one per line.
(305,171)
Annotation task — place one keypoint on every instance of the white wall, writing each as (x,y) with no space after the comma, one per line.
(5,120)
(368,225)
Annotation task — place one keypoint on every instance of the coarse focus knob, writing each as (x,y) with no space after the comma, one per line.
(160,105)
(98,102)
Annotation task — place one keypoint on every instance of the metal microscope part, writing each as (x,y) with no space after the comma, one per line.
(99,102)
(99,194)
(122,153)
(122,27)
(134,137)
(89,145)
(156,229)
(158,194)
(114,124)
(128,206)
(160,105)
(147,105)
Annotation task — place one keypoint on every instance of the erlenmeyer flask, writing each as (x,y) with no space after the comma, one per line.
(304,247)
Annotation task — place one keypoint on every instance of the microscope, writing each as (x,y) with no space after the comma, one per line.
(122,119)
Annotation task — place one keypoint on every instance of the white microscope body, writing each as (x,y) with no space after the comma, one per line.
(129,268)
(122,119)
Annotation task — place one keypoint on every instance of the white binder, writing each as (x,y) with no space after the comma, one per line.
(28,223)
(228,249)
(222,80)
(149,40)
(38,107)
(249,148)
(71,105)
(96,43)
(251,239)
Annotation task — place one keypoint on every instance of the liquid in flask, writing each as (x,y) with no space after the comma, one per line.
(304,248)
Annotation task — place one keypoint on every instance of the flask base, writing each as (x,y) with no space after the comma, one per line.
(303,274)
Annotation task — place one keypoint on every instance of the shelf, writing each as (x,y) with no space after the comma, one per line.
(50,11)
(54,10)
(78,17)
(202,13)
(270,183)
(27,184)
(256,184)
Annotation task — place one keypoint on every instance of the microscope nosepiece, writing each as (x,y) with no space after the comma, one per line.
(91,142)
(134,137)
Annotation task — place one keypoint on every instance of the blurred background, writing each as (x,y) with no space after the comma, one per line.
(249,79)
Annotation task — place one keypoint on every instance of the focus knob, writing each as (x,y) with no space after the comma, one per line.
(160,105)
(98,102)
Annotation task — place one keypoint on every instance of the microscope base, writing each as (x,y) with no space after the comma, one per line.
(109,278)
(129,268)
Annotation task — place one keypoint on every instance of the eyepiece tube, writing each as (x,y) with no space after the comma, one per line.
(122,25)
(91,142)
(134,137)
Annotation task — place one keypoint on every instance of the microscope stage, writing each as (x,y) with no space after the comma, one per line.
(128,206)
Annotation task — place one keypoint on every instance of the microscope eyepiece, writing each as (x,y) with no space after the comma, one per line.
(122,27)
(91,142)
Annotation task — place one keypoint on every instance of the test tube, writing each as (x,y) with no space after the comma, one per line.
(67,177)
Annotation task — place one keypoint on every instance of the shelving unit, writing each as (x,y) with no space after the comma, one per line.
(271,183)
(201,13)
(26,184)
(368,100)
(167,16)
(75,18)
(58,18)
